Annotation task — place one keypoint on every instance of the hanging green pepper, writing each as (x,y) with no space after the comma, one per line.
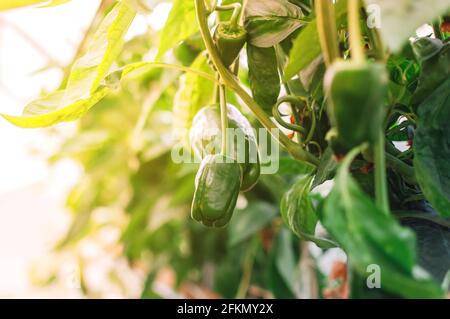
(216,190)
(356,93)
(229,39)
(206,139)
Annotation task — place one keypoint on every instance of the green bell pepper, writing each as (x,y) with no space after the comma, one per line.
(356,93)
(217,187)
(206,139)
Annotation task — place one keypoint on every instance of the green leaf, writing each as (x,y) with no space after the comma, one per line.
(106,45)
(432,149)
(433,244)
(286,259)
(84,88)
(181,24)
(291,167)
(370,236)
(269,22)
(399,132)
(194,93)
(405,16)
(359,289)
(307,45)
(435,67)
(283,261)
(298,212)
(46,111)
(12,4)
(250,220)
(263,76)
(326,169)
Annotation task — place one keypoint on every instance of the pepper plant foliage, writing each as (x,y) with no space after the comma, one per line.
(366,110)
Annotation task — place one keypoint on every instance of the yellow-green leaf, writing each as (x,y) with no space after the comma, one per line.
(12,4)
(194,93)
(84,87)
(180,25)
(45,112)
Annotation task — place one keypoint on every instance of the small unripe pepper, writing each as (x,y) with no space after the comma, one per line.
(217,187)
(356,93)
(229,39)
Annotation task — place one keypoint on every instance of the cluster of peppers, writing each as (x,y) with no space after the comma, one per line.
(355,90)
(223,174)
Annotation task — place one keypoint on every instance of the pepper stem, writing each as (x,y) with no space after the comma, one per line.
(355,31)
(223,118)
(326,25)
(237,9)
(381,191)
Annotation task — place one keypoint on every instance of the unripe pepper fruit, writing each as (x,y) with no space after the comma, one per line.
(229,40)
(206,138)
(356,93)
(217,187)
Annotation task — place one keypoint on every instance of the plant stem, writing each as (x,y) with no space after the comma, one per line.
(217,90)
(326,26)
(224,118)
(402,168)
(354,26)
(237,9)
(309,287)
(232,83)
(437,30)
(422,215)
(247,269)
(281,59)
(376,41)
(397,165)
(381,191)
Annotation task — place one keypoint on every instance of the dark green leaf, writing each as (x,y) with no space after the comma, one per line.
(371,236)
(283,270)
(327,168)
(435,71)
(298,212)
(432,149)
(433,246)
(250,220)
